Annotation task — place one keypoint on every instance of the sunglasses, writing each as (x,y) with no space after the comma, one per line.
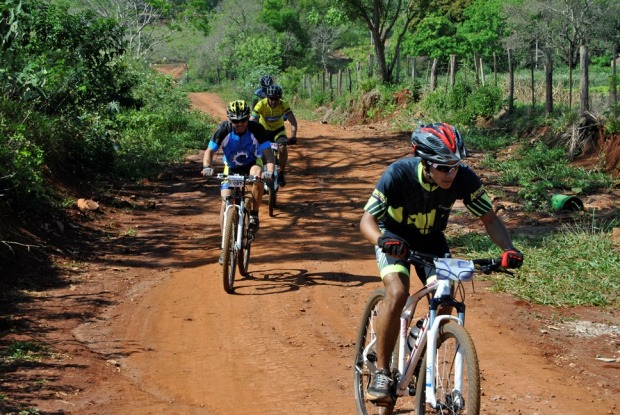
(445,168)
(239,121)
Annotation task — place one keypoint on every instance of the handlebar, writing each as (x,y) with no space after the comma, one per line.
(239,178)
(483,265)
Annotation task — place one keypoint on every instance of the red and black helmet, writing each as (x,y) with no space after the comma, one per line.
(438,143)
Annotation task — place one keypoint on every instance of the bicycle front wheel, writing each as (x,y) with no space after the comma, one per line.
(455,394)
(364,369)
(229,257)
(246,246)
(273,194)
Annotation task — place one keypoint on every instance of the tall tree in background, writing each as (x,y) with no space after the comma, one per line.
(484,27)
(381,18)
(148,23)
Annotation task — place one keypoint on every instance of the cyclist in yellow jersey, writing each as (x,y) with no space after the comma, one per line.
(271,113)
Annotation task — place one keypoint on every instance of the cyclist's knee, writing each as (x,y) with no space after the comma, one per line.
(396,288)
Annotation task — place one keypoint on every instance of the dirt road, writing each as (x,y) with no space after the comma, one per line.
(166,338)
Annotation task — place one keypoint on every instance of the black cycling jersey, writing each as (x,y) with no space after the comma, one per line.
(408,207)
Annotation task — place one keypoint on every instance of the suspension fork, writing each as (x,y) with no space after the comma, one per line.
(230,204)
(435,321)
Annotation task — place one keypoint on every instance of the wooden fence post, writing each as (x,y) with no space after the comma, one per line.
(482,78)
(511,82)
(570,78)
(495,67)
(433,83)
(350,79)
(548,81)
(584,97)
(614,80)
(339,82)
(452,70)
(532,79)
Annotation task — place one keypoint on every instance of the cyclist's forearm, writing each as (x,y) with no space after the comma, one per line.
(497,230)
(369,228)
(291,119)
(208,158)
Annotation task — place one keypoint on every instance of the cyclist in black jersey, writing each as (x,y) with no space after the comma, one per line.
(409,209)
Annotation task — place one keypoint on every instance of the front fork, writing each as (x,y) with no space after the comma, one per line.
(230,205)
(431,347)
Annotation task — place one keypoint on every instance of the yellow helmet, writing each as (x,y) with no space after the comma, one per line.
(238,110)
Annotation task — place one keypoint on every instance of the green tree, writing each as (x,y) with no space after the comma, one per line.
(484,27)
(435,36)
(381,18)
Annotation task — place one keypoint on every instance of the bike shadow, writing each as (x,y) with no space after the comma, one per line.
(277,281)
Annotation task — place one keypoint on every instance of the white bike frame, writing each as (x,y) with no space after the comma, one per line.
(448,270)
(236,181)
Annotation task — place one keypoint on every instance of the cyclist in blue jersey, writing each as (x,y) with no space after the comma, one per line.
(265,82)
(243,143)
(409,209)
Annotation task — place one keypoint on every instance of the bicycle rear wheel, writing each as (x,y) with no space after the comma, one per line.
(246,246)
(363,371)
(453,340)
(229,257)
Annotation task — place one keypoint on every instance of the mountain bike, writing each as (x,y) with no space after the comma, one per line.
(434,365)
(237,237)
(271,188)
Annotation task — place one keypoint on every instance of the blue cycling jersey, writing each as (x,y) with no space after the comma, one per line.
(240,150)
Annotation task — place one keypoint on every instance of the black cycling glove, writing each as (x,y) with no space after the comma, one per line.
(392,246)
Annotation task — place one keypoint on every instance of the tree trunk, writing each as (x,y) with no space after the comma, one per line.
(548,81)
(381,61)
(584,99)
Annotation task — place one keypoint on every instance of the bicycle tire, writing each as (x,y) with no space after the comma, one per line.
(228,257)
(361,373)
(451,338)
(273,194)
(246,247)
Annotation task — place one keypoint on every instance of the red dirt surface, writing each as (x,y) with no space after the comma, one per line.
(143,325)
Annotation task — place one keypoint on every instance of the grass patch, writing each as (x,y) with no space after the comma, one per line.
(25,351)
(539,171)
(558,269)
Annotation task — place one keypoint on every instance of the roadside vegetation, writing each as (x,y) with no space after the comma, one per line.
(81,106)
